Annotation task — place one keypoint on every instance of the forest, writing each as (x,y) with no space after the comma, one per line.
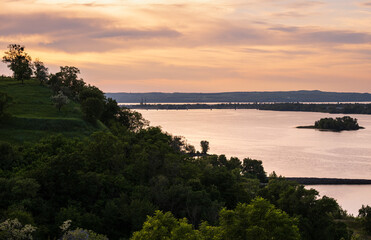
(119,178)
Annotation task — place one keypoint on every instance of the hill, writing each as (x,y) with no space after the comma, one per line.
(110,182)
(289,96)
(34,116)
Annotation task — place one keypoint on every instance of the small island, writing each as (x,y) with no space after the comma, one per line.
(337,124)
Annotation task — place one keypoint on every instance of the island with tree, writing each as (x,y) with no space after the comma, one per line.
(335,124)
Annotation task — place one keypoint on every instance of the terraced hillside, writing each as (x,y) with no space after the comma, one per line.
(34,116)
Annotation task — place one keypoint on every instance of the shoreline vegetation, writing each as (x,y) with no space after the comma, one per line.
(329,181)
(345,123)
(338,108)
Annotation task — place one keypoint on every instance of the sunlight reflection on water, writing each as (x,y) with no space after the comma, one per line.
(272,137)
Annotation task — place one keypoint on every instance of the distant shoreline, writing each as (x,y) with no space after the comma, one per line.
(329,181)
(340,108)
(277,96)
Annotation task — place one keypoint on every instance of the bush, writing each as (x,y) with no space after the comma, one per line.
(365,215)
(92,109)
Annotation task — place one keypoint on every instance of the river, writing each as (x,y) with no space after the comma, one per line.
(272,136)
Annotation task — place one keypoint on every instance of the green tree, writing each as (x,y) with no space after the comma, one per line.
(258,220)
(79,233)
(254,169)
(365,215)
(131,120)
(91,92)
(164,226)
(12,229)
(19,62)
(60,100)
(110,112)
(41,72)
(204,146)
(67,80)
(316,215)
(92,109)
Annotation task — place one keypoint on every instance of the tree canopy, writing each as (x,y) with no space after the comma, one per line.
(19,62)
(337,124)
(41,72)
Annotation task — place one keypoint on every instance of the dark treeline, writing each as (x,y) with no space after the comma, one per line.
(329,181)
(289,96)
(112,180)
(337,124)
(346,108)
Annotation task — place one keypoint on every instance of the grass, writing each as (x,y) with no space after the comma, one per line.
(31,99)
(34,116)
(354,224)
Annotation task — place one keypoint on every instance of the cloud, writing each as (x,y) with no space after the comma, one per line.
(208,44)
(75,34)
(284,29)
(336,37)
(279,53)
(367,4)
(290,14)
(138,33)
(46,23)
(78,34)
(305,4)
(285,35)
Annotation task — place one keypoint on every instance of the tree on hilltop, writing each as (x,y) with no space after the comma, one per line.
(19,62)
(67,81)
(204,146)
(41,72)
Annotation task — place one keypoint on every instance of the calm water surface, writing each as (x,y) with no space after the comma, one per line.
(271,136)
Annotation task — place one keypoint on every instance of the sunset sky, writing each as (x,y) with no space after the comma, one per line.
(198,45)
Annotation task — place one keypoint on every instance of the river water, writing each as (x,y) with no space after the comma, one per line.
(272,136)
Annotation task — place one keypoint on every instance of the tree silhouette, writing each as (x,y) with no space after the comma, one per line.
(19,62)
(41,72)
(205,146)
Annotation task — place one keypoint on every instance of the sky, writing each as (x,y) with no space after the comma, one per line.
(198,45)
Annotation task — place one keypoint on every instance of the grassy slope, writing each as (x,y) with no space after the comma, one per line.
(34,115)
(355,225)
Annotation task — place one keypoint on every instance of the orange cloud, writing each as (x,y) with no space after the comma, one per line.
(198,45)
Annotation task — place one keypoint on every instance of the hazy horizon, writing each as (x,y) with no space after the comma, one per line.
(315,90)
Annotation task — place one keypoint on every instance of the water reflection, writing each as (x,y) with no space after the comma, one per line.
(349,197)
(271,136)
